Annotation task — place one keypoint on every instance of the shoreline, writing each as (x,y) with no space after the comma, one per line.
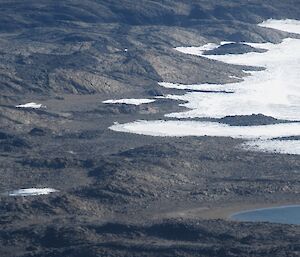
(227,212)
(213,211)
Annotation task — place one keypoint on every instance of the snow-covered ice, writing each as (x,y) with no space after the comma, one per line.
(130,101)
(30,105)
(32,191)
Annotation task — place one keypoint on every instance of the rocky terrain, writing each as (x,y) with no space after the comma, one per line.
(124,194)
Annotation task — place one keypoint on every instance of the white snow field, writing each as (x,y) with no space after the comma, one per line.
(273,91)
(130,101)
(32,191)
(30,105)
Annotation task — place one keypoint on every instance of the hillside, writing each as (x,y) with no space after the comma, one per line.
(71,186)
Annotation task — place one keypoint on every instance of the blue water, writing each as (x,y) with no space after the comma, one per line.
(284,215)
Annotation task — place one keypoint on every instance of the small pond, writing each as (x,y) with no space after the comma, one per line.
(283,214)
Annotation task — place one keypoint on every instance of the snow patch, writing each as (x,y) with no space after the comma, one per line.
(279,146)
(32,191)
(30,105)
(131,101)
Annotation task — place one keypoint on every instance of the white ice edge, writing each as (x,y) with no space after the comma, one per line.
(130,101)
(31,105)
(32,191)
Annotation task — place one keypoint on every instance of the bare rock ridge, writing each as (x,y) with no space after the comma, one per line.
(78,47)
